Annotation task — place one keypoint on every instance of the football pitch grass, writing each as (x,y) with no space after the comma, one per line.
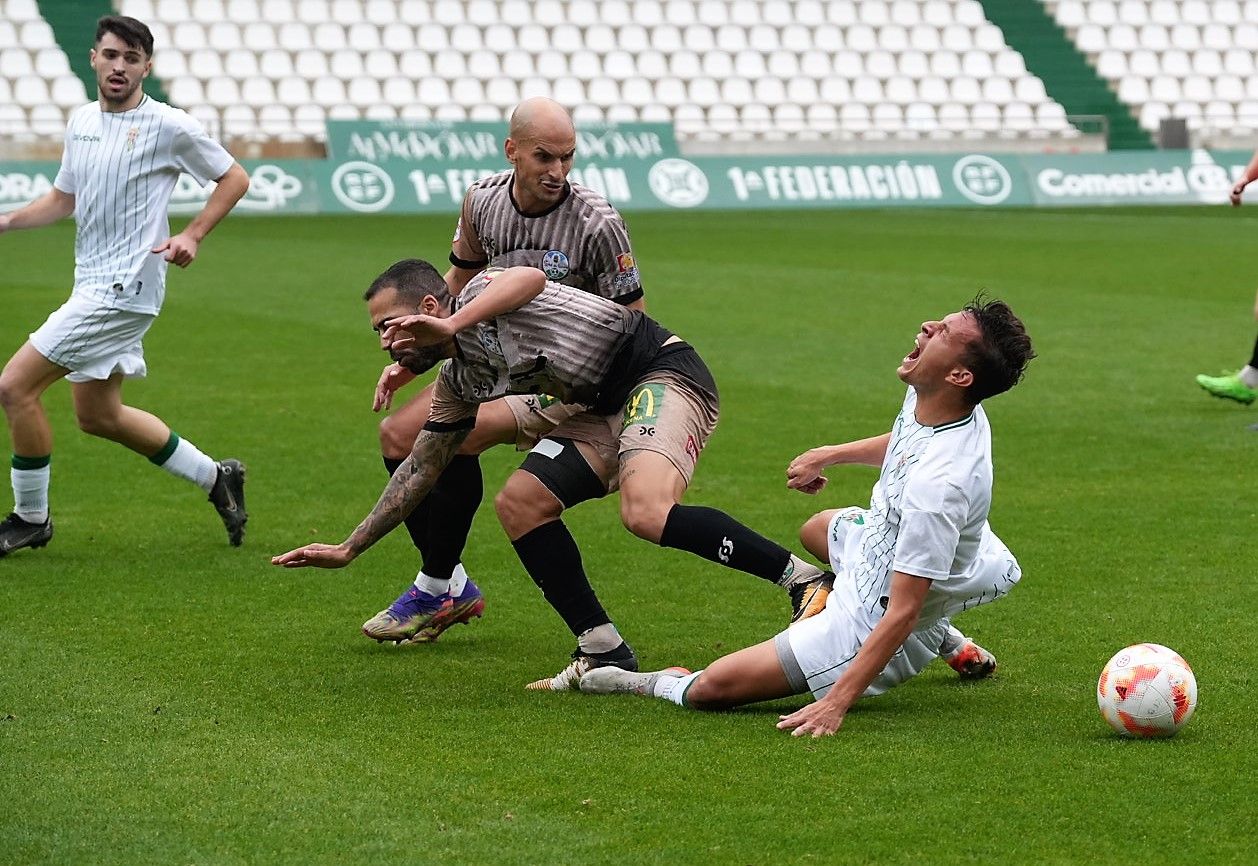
(165,698)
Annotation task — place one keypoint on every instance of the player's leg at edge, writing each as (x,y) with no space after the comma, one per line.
(24,379)
(100,412)
(747,676)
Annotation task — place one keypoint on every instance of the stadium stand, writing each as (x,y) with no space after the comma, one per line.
(866,73)
(1186,59)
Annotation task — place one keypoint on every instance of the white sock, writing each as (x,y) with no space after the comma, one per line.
(953,641)
(600,639)
(458,580)
(431,585)
(798,571)
(674,688)
(187,462)
(1249,376)
(30,493)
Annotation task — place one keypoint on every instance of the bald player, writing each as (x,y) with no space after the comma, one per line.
(529,215)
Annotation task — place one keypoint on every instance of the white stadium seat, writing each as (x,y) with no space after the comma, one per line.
(871,70)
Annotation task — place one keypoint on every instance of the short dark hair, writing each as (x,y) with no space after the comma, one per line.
(131,31)
(413,279)
(998,358)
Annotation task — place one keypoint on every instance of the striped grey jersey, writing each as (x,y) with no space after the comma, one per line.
(580,242)
(121,167)
(562,343)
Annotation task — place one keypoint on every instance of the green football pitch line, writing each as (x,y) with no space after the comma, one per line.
(165,698)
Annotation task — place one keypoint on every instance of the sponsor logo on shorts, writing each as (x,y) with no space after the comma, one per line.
(644,405)
(625,262)
(692,448)
(538,403)
(555,264)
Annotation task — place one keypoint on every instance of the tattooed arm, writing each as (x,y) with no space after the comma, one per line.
(406,489)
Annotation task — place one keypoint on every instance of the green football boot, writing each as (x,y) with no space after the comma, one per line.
(1228,386)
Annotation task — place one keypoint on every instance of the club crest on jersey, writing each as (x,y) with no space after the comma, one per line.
(488,337)
(555,264)
(625,263)
(132,135)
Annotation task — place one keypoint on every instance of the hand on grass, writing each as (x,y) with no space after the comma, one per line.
(315,556)
(818,719)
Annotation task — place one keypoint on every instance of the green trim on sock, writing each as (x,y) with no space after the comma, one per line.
(19,462)
(168,449)
(685,703)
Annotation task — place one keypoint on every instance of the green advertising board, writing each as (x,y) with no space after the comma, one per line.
(360,186)
(1151,177)
(479,145)
(276,186)
(386,168)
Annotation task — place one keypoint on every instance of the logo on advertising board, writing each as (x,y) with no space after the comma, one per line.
(982,179)
(271,188)
(20,188)
(678,182)
(362,187)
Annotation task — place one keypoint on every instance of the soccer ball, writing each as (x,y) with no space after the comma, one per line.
(1147,690)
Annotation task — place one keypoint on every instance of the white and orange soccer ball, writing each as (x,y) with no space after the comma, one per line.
(1147,690)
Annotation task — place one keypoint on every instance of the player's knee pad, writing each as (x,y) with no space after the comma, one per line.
(558,464)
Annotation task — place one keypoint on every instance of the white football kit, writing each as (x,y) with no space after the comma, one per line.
(121,167)
(928,518)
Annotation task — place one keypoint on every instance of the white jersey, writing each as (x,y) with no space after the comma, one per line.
(121,168)
(928,518)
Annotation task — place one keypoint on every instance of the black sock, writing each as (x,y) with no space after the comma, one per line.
(550,556)
(1253,361)
(716,536)
(417,520)
(455,498)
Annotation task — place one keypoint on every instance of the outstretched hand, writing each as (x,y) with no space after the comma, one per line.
(804,473)
(315,556)
(393,377)
(818,719)
(415,331)
(1235,196)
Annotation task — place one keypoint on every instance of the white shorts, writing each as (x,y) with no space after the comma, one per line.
(815,652)
(94,342)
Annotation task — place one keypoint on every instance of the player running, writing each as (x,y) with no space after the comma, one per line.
(530,215)
(1242,385)
(652,406)
(922,552)
(123,154)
